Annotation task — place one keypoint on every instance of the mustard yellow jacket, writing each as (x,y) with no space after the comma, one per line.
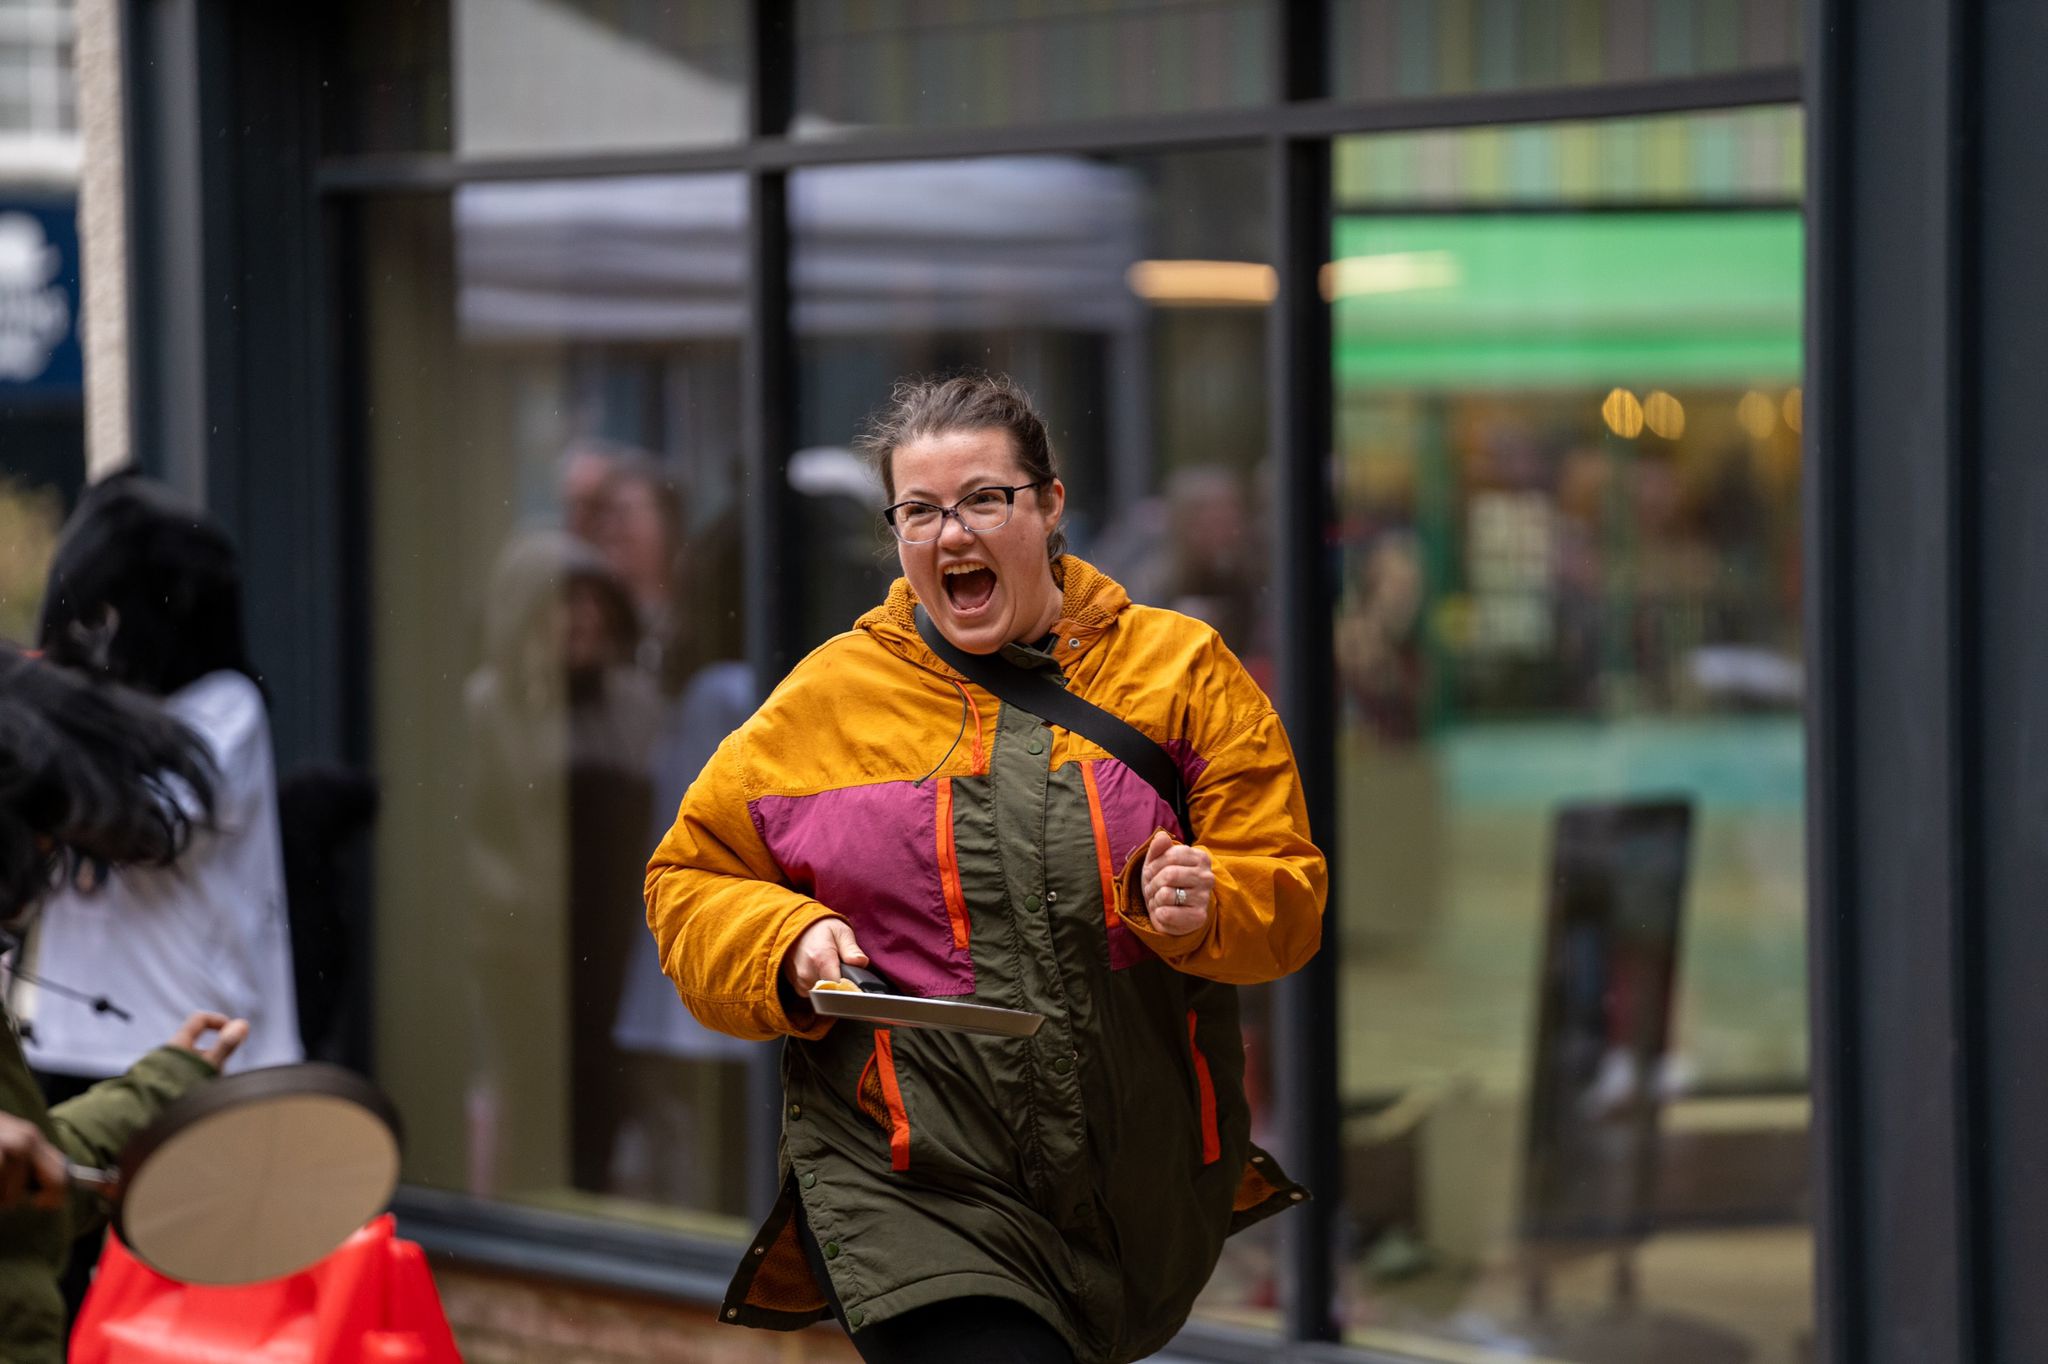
(1092,1171)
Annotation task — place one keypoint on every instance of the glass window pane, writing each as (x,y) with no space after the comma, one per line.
(1397,49)
(1128,295)
(1024,61)
(42,468)
(386,77)
(551,411)
(1573,1040)
(1737,157)
(490,78)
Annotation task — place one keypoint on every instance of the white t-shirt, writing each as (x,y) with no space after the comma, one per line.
(207,932)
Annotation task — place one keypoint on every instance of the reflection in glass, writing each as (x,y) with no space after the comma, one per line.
(1073,275)
(533,77)
(1391,49)
(1734,156)
(553,372)
(1573,1047)
(1603,1023)
(1007,62)
(31,512)
(1047,268)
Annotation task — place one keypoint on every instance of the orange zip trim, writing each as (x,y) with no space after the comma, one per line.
(1101,842)
(973,709)
(892,1095)
(949,866)
(1212,1142)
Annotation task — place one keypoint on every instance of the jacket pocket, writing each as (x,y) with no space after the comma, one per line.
(881,1098)
(1205,1091)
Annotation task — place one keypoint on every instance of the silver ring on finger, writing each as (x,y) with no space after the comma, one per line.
(1180,895)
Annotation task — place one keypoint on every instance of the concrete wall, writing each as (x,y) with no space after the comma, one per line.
(103,237)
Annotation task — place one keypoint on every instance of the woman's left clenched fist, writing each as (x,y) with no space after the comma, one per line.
(1177,883)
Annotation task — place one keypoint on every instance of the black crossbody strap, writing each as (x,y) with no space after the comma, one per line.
(1034,691)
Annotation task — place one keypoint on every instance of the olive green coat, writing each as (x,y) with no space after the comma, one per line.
(91,1130)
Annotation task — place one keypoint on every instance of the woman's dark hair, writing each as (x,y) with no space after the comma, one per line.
(89,772)
(144,590)
(974,401)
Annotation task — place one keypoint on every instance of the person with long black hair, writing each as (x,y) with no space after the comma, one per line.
(146,591)
(90,776)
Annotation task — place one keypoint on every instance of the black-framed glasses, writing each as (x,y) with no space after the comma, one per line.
(984,509)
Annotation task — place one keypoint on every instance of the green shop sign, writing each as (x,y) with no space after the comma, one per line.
(1553,300)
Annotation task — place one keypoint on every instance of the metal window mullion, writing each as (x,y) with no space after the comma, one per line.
(1300,63)
(1897,852)
(766,395)
(182,230)
(1299,421)
(1306,118)
(2009,594)
(1299,417)
(1832,997)
(1963,360)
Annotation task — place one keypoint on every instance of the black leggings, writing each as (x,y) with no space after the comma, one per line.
(985,1330)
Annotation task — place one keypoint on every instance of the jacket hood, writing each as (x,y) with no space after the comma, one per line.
(1090,603)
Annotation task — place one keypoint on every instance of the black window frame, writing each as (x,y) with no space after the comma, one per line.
(192,65)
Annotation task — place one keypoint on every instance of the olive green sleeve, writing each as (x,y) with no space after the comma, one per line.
(93,1127)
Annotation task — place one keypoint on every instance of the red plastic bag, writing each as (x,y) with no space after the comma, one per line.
(371,1302)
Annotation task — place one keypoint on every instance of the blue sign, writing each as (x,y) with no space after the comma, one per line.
(39,352)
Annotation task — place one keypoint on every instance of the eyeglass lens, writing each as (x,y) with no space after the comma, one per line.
(985,509)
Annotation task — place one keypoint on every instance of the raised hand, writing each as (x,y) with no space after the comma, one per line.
(230,1034)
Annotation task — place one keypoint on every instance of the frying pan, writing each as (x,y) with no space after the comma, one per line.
(254,1176)
(865,996)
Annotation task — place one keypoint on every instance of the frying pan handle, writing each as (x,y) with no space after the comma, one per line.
(865,979)
(106,1182)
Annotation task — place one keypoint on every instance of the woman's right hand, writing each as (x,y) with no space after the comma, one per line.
(818,953)
(29,1161)
(229,1034)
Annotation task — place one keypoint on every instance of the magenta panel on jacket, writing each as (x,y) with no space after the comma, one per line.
(871,853)
(1131,810)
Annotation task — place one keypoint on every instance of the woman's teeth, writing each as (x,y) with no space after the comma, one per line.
(969,586)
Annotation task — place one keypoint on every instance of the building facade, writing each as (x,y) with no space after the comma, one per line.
(1454,359)
(42,434)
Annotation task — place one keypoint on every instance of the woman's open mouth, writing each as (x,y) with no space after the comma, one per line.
(968,586)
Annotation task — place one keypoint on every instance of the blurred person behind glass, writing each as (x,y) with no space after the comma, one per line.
(674,1090)
(560,722)
(1192,549)
(640,535)
(583,483)
(682,1142)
